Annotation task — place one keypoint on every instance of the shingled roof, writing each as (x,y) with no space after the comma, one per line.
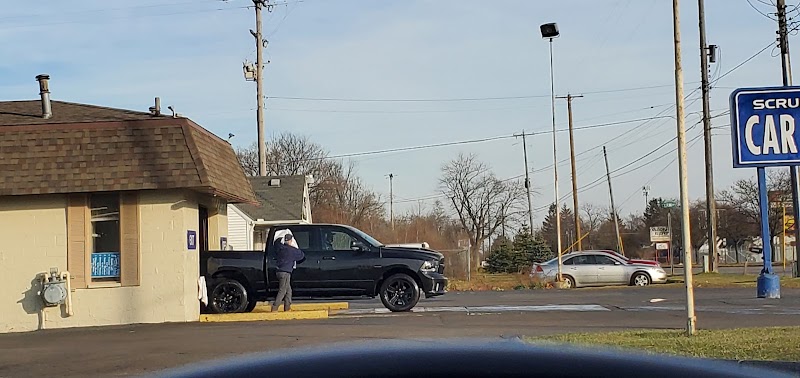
(30,113)
(283,202)
(86,148)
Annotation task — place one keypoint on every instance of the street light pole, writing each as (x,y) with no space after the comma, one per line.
(550,31)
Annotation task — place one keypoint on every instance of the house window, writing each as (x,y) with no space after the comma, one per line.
(105,259)
(103,239)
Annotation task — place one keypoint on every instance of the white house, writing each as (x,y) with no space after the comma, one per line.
(283,200)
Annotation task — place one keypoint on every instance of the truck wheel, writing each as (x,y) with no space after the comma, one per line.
(228,296)
(399,293)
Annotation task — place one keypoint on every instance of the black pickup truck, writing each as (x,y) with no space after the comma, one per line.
(340,261)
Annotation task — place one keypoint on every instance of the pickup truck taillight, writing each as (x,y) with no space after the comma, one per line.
(539,269)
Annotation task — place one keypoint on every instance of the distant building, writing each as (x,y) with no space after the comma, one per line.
(122,200)
(282,200)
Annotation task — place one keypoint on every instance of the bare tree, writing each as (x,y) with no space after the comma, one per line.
(742,198)
(345,193)
(593,218)
(482,202)
(291,154)
(743,195)
(248,159)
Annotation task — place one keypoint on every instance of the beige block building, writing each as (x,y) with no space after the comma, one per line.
(122,200)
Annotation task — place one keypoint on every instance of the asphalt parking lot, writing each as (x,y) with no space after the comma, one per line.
(139,349)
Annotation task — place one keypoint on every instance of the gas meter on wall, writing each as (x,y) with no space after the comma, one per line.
(54,288)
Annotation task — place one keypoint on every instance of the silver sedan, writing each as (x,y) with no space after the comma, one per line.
(598,269)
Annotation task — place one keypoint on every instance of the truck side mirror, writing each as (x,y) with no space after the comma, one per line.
(358,246)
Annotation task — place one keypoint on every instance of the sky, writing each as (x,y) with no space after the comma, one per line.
(465,70)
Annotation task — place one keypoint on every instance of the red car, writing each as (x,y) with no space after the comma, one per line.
(629,261)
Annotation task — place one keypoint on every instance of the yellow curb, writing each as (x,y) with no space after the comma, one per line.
(264,316)
(328,306)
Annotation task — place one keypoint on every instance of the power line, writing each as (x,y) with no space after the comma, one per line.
(599,181)
(159,5)
(692,143)
(401,111)
(471,141)
(458,99)
(759,11)
(121,17)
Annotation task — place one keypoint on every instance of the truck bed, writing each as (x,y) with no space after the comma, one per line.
(249,264)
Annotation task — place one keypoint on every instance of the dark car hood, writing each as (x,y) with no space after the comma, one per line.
(411,253)
(644,262)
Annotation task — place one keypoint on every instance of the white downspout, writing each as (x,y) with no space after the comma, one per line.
(250,230)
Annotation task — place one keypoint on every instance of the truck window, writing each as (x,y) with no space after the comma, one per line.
(336,240)
(302,236)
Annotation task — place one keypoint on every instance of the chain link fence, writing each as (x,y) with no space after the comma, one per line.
(456,263)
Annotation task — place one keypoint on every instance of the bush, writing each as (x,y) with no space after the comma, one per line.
(518,256)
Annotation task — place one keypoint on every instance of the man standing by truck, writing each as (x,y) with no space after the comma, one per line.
(287,255)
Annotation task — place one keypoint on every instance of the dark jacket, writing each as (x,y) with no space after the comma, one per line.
(286,256)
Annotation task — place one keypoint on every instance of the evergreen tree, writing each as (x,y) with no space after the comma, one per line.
(501,259)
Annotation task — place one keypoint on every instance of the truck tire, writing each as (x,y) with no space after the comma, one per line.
(228,296)
(251,306)
(399,293)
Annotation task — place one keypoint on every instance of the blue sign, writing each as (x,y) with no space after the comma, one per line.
(105,265)
(764,128)
(191,239)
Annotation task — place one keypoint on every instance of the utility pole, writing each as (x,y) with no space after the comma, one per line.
(613,207)
(262,153)
(391,199)
(569,98)
(711,206)
(691,320)
(527,184)
(646,192)
(786,69)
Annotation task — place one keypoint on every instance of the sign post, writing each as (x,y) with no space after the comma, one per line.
(764,135)
(669,205)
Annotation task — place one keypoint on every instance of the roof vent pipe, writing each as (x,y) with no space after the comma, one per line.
(44,91)
(156,110)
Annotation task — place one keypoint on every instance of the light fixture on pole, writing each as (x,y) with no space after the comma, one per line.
(550,31)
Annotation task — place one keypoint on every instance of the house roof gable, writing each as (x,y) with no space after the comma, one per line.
(277,203)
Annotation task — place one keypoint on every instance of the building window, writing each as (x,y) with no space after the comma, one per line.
(105,237)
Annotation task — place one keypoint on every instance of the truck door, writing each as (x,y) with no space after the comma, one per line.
(307,275)
(346,268)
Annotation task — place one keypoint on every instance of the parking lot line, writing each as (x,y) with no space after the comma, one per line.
(479,309)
